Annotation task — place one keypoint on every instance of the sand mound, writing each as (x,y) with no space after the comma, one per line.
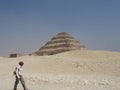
(1,57)
(74,70)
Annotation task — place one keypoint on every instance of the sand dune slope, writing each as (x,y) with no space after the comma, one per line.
(74,70)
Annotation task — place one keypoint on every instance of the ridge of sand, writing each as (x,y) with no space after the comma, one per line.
(74,70)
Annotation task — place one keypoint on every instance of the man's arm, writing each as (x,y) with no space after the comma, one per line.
(17,72)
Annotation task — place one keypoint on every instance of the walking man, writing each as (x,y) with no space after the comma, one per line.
(19,76)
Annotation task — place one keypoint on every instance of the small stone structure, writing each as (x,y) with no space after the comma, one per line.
(15,55)
(62,42)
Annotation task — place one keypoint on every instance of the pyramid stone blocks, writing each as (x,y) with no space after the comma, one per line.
(62,42)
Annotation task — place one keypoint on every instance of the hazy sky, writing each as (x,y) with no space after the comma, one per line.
(26,25)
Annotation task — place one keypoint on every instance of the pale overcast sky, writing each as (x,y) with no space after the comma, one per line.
(26,25)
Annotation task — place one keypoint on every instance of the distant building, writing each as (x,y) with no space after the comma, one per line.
(62,42)
(15,55)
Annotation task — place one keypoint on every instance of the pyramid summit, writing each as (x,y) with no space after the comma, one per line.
(62,42)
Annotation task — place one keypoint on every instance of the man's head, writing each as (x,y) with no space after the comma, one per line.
(21,63)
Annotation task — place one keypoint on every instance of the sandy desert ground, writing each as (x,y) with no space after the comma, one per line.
(74,70)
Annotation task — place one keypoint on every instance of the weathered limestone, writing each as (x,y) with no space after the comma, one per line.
(62,42)
(15,55)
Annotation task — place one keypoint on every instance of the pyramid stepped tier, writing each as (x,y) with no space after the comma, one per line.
(62,42)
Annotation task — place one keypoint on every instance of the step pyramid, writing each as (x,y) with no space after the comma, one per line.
(62,42)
